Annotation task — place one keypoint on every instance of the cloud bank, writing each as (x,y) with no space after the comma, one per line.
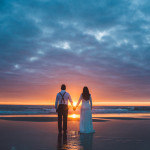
(102,44)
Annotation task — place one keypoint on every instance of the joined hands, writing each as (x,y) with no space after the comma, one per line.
(74,108)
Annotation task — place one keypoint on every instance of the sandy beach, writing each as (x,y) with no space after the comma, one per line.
(113,132)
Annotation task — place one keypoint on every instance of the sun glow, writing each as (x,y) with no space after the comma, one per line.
(74,103)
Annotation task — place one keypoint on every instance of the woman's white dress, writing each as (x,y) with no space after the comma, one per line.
(86,125)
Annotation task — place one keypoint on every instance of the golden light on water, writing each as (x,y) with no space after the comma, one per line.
(74,116)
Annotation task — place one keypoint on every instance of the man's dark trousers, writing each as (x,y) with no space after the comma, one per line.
(62,113)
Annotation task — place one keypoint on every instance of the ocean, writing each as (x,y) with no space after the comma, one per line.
(49,109)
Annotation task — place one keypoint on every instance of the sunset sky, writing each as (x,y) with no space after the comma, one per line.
(103,44)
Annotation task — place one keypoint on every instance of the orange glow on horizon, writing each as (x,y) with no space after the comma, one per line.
(47,97)
(121,103)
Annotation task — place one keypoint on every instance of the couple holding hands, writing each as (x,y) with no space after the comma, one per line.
(61,105)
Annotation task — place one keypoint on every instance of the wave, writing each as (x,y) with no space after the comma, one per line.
(38,109)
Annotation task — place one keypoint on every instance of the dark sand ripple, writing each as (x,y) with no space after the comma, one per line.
(54,119)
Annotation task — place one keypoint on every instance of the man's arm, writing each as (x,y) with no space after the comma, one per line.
(69,97)
(79,101)
(56,102)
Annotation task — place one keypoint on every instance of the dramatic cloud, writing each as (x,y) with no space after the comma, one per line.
(103,44)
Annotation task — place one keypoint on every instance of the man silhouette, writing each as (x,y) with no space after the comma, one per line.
(62,109)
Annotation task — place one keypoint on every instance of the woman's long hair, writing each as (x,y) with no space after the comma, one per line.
(86,94)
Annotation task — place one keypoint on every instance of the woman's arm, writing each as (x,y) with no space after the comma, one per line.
(79,101)
(91,101)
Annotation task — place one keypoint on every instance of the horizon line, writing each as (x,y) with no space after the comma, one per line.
(94,103)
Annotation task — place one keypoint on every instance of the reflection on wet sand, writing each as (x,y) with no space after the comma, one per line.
(86,141)
(74,140)
(62,141)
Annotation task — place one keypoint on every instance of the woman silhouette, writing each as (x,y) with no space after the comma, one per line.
(86,125)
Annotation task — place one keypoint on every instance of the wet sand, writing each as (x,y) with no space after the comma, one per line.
(40,133)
